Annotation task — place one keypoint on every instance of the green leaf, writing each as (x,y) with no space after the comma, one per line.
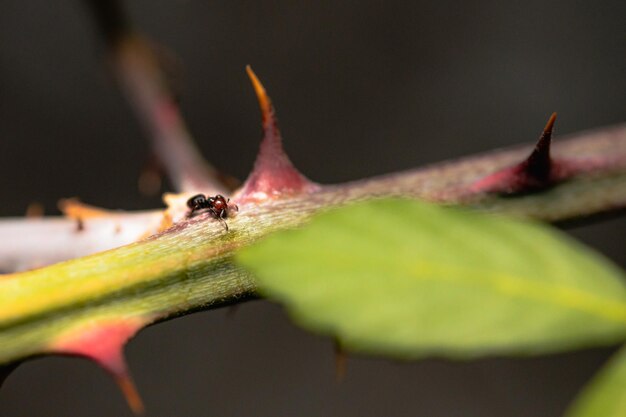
(408,279)
(605,396)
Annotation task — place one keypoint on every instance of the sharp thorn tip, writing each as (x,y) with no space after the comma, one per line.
(264,101)
(130,393)
(550,125)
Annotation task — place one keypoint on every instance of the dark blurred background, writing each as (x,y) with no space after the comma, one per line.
(361,88)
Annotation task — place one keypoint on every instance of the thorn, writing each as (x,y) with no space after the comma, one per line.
(341,362)
(272,140)
(539,162)
(34,210)
(80,224)
(536,172)
(273,174)
(232,310)
(103,342)
(75,209)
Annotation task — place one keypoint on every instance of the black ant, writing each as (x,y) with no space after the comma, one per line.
(218,206)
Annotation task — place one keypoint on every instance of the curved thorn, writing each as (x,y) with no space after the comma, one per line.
(265,103)
(273,173)
(536,172)
(103,342)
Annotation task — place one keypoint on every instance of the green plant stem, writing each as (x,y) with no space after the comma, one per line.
(189,267)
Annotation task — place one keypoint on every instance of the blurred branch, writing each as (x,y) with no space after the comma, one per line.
(144,82)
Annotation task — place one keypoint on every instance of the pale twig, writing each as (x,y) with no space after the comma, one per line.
(27,243)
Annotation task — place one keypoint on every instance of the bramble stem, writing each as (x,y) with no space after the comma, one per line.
(189,267)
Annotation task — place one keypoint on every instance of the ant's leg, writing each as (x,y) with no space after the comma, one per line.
(224,223)
(219,217)
(222,218)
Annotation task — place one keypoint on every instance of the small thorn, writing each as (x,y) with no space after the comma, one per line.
(75,209)
(80,224)
(34,210)
(539,162)
(536,172)
(273,174)
(232,311)
(341,362)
